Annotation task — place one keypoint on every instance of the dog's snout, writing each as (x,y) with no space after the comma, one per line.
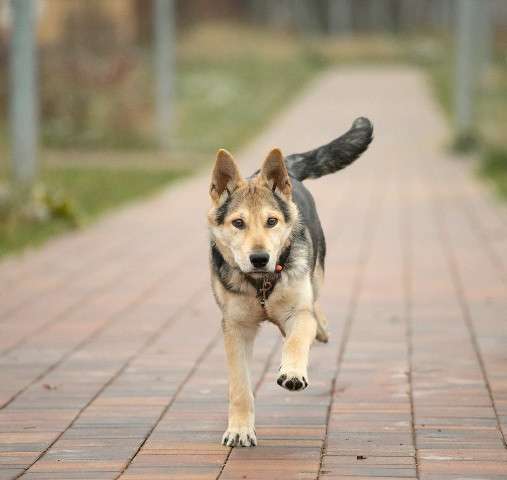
(260,259)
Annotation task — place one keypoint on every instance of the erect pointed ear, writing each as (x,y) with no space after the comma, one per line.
(225,175)
(274,173)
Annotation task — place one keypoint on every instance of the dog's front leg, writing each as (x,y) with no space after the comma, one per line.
(238,340)
(300,332)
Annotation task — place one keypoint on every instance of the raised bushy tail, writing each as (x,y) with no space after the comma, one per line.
(333,156)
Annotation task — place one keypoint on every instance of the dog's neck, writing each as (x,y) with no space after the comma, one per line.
(263,284)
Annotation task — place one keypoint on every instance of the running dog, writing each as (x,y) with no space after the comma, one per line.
(267,252)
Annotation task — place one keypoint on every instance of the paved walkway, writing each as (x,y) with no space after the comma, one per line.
(112,364)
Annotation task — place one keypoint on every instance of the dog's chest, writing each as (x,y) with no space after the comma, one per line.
(284,298)
(287,297)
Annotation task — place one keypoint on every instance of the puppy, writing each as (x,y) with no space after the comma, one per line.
(267,252)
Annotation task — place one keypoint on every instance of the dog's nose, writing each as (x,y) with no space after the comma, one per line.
(259,260)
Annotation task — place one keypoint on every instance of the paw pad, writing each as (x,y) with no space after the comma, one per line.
(292,382)
(242,438)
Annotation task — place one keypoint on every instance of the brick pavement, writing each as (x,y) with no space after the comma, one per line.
(111,360)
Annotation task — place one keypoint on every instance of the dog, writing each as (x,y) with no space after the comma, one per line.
(267,251)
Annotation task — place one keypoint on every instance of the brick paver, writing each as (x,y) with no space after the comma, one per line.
(111,359)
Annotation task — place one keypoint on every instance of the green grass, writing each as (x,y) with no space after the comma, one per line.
(225,105)
(493,167)
(88,192)
(95,190)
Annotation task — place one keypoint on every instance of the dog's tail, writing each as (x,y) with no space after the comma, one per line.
(333,156)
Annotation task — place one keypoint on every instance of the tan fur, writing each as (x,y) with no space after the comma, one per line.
(225,175)
(318,278)
(254,209)
(292,305)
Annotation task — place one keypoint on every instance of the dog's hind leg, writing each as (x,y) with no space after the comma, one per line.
(301,330)
(322,333)
(318,278)
(238,340)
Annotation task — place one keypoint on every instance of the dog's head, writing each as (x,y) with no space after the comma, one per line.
(251,219)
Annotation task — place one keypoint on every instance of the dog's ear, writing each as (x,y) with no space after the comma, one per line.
(274,173)
(225,177)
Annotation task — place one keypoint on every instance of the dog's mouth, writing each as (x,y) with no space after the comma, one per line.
(259,271)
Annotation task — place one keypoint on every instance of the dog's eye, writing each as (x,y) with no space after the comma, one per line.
(238,223)
(272,221)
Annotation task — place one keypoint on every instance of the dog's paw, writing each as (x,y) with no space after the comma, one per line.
(322,334)
(292,380)
(239,437)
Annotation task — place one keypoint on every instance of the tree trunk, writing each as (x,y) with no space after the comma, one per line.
(339,16)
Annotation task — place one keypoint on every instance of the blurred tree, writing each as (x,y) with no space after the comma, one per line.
(144,20)
(472,18)
(441,13)
(89,64)
(411,13)
(486,38)
(164,65)
(23,92)
(281,16)
(306,14)
(339,14)
(378,13)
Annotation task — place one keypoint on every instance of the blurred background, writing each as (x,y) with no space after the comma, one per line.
(105,101)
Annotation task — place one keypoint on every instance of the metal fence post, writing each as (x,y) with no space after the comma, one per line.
(164,67)
(23,105)
(467,61)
